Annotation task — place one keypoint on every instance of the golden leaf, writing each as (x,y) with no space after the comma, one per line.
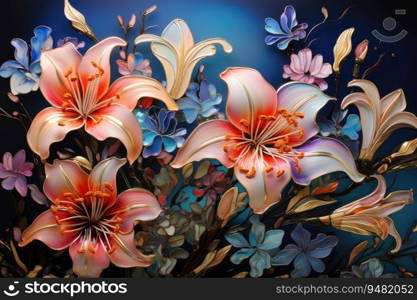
(187,171)
(207,260)
(241,275)
(34,272)
(407,148)
(308,203)
(356,250)
(342,48)
(78,21)
(220,255)
(298,197)
(202,169)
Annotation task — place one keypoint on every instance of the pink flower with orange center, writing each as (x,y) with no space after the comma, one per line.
(89,218)
(268,138)
(78,89)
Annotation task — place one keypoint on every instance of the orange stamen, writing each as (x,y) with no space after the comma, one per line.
(279,173)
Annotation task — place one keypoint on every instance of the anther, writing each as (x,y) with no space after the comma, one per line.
(299,114)
(111,250)
(80,251)
(91,248)
(61,123)
(108,186)
(68,73)
(244,122)
(251,173)
(279,173)
(268,169)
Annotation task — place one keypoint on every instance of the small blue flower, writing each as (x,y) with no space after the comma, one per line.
(159,128)
(24,73)
(257,248)
(73,40)
(333,127)
(372,268)
(200,99)
(305,253)
(286,30)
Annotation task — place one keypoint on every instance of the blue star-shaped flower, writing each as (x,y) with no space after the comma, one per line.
(257,248)
(306,253)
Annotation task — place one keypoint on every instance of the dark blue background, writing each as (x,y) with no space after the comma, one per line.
(242,24)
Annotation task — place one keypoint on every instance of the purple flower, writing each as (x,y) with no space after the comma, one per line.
(304,67)
(73,40)
(306,253)
(286,30)
(14,170)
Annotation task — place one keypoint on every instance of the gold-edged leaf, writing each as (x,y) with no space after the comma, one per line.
(309,203)
(78,21)
(356,250)
(207,260)
(202,169)
(241,275)
(220,255)
(407,148)
(298,197)
(187,171)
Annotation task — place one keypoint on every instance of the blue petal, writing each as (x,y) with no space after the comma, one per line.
(154,149)
(138,58)
(203,92)
(272,26)
(209,112)
(35,68)
(180,141)
(42,33)
(322,245)
(22,84)
(241,255)
(338,115)
(9,67)
(258,263)
(285,256)
(375,268)
(301,236)
(302,267)
(148,137)
(288,19)
(271,39)
(257,231)
(21,52)
(351,127)
(190,115)
(237,240)
(283,44)
(272,240)
(211,102)
(169,143)
(316,264)
(327,127)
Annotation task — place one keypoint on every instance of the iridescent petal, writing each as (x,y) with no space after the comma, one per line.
(250,96)
(323,156)
(49,126)
(136,205)
(45,229)
(88,263)
(100,55)
(207,141)
(118,122)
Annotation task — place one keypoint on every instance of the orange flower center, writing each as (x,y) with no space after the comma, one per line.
(89,217)
(269,138)
(83,103)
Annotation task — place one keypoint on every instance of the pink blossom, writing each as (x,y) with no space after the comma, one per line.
(305,68)
(14,170)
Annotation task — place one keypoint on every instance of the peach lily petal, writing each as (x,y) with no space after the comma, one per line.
(49,126)
(55,63)
(136,205)
(99,54)
(88,263)
(118,122)
(207,141)
(265,188)
(246,104)
(129,89)
(45,229)
(64,176)
(126,255)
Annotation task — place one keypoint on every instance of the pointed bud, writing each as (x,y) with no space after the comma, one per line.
(342,48)
(132,21)
(121,22)
(361,50)
(150,10)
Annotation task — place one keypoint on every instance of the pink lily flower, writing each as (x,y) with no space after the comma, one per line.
(78,89)
(89,218)
(268,138)
(305,68)
(369,215)
(14,170)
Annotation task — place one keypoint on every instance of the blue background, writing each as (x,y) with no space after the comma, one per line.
(242,24)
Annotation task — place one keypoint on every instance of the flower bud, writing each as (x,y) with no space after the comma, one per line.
(361,50)
(121,22)
(342,48)
(132,21)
